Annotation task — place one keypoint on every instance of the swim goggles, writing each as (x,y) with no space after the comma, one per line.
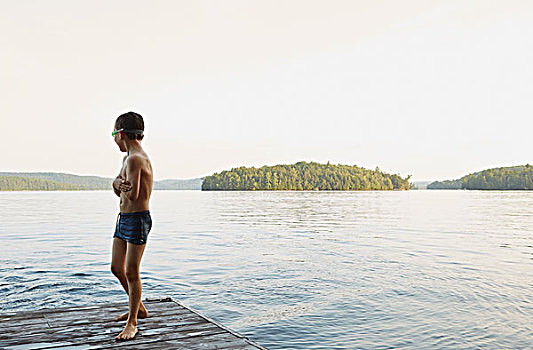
(131,131)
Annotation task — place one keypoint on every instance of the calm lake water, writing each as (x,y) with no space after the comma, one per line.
(295,270)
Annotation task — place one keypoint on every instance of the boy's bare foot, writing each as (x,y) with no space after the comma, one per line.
(143,313)
(129,332)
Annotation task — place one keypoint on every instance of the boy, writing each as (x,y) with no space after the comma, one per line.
(134,186)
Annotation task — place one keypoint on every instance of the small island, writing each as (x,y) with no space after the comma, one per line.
(305,176)
(509,178)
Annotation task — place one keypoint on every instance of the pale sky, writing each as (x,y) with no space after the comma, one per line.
(435,89)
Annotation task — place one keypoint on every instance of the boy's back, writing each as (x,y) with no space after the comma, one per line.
(136,171)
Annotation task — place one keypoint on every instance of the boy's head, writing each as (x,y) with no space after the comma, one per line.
(133,125)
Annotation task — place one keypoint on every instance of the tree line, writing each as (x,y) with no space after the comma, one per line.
(511,178)
(12,181)
(305,176)
(17,183)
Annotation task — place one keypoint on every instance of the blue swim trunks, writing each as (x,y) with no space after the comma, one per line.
(133,227)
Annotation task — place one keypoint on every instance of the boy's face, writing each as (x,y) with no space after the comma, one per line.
(119,140)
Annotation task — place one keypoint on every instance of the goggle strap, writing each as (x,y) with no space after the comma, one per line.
(133,131)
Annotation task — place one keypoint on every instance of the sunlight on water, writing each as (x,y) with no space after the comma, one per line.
(295,270)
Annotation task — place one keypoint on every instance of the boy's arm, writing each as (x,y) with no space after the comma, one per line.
(119,180)
(116,183)
(133,174)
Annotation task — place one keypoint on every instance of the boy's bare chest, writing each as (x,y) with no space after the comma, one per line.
(123,170)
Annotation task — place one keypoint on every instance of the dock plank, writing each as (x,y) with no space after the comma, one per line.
(104,316)
(39,322)
(89,331)
(214,341)
(170,325)
(71,319)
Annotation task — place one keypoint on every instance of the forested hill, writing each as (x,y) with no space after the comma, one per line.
(510,178)
(11,181)
(51,182)
(18,183)
(305,176)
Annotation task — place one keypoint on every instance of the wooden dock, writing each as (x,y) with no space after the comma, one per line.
(171,325)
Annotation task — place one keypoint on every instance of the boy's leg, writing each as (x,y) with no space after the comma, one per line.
(134,253)
(118,260)
(118,267)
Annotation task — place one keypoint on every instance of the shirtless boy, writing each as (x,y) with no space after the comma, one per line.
(134,186)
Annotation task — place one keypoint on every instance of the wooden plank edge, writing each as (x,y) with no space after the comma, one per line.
(197,330)
(235,333)
(106,344)
(14,314)
(187,319)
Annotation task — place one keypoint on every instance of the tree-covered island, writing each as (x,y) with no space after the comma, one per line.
(510,178)
(305,176)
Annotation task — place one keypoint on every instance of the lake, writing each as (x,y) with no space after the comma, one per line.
(294,270)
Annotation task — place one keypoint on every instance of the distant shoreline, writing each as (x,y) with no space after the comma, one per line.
(301,176)
(49,181)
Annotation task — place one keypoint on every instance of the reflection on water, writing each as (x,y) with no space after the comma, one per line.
(295,270)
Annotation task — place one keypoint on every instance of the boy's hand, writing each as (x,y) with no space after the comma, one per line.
(124,186)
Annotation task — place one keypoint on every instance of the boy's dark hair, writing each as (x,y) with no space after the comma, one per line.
(130,121)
